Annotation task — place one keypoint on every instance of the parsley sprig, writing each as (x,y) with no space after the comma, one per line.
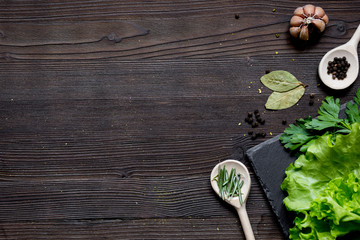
(298,136)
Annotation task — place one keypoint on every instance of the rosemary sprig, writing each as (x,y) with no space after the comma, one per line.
(229,184)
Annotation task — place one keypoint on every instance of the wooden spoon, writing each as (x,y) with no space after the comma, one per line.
(240,208)
(348,50)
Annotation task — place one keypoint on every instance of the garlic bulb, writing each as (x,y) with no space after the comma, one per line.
(305,19)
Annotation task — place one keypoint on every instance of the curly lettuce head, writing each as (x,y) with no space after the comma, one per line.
(323,187)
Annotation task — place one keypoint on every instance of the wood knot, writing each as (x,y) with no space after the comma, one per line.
(341,27)
(113,37)
(123,174)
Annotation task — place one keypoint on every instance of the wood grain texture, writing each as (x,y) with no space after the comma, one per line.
(160,29)
(113,113)
(157,228)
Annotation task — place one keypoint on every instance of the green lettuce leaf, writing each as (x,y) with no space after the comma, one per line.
(323,187)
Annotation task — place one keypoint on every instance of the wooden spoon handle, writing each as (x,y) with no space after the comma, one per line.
(355,38)
(245,222)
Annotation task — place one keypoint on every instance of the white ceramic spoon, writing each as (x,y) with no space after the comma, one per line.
(349,50)
(241,209)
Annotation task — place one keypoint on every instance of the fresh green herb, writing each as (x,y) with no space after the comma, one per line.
(287,89)
(229,184)
(298,136)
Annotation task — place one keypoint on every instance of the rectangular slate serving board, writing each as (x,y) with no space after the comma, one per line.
(269,161)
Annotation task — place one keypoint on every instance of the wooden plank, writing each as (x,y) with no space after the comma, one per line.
(136,80)
(43,157)
(113,197)
(156,228)
(128,30)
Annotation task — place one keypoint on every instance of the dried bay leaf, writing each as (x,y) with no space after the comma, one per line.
(282,100)
(280,81)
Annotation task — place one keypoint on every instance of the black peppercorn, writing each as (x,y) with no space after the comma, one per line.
(312,95)
(253,137)
(250,114)
(262,122)
(250,132)
(338,68)
(255,124)
(311,102)
(284,122)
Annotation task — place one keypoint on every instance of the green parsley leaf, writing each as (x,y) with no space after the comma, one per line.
(297,135)
(352,109)
(328,115)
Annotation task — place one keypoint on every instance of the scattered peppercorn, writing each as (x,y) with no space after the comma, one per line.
(312,95)
(338,68)
(284,122)
(237,16)
(267,71)
(263,134)
(251,116)
(311,102)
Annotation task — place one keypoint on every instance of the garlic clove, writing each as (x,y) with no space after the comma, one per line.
(304,33)
(299,12)
(325,18)
(319,24)
(296,21)
(319,12)
(294,31)
(309,10)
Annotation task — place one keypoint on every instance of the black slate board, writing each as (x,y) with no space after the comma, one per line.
(269,161)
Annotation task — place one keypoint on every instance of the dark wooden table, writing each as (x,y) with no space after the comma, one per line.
(113,113)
